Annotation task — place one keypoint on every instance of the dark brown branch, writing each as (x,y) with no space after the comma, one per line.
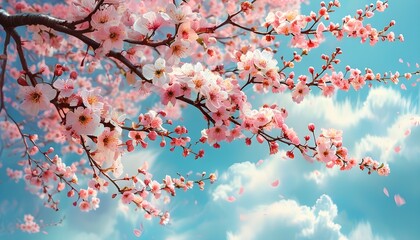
(3,69)
(22,58)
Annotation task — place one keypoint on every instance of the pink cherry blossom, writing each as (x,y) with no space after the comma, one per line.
(216,134)
(300,92)
(36,98)
(106,16)
(66,87)
(29,225)
(158,72)
(82,121)
(149,22)
(127,197)
(112,37)
(84,206)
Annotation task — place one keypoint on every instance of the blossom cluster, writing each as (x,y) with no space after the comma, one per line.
(29,225)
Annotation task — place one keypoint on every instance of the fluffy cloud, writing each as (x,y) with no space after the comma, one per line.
(251,177)
(397,137)
(364,231)
(286,219)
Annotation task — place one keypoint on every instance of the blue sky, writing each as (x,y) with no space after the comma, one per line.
(310,202)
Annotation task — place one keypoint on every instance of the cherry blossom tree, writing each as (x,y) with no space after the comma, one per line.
(74,74)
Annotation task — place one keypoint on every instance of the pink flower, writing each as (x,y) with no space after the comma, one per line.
(325,154)
(334,135)
(127,197)
(112,37)
(155,188)
(186,32)
(66,87)
(82,121)
(84,206)
(109,140)
(170,94)
(216,134)
(178,49)
(149,22)
(300,92)
(37,98)
(92,99)
(157,72)
(106,16)
(214,96)
(179,14)
(94,203)
(137,136)
(384,170)
(30,225)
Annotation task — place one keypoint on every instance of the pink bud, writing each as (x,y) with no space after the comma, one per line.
(152,135)
(50,150)
(311,127)
(70,193)
(322,11)
(130,148)
(73,75)
(22,81)
(260,138)
(60,186)
(290,154)
(311,70)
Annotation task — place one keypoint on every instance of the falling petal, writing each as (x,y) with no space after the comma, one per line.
(260,162)
(400,60)
(241,191)
(397,149)
(408,64)
(231,199)
(399,200)
(386,192)
(403,87)
(137,232)
(275,183)
(407,132)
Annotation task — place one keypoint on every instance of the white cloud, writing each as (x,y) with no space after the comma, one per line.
(319,176)
(364,231)
(402,130)
(254,179)
(287,219)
